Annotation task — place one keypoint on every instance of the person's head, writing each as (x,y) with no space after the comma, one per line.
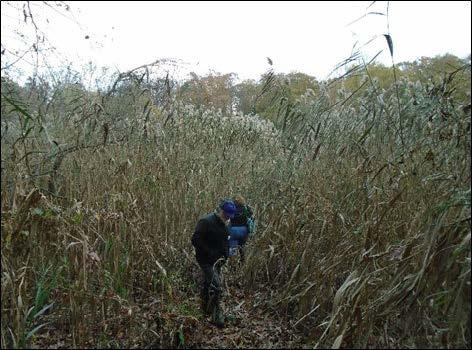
(239,200)
(227,209)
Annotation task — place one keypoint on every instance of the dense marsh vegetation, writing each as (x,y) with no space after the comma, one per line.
(360,184)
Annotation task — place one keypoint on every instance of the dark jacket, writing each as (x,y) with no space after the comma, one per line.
(210,239)
(243,212)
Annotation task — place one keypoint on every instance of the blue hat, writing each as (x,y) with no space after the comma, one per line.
(228,207)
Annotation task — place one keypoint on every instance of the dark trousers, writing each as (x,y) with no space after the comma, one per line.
(211,291)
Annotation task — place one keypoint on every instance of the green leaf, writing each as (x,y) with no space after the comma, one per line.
(181,336)
(28,131)
(17,107)
(32,332)
(49,213)
(78,218)
(358,230)
(43,310)
(38,211)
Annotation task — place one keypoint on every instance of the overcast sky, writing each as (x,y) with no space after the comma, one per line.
(310,37)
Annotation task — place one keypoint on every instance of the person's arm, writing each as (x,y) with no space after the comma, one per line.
(198,238)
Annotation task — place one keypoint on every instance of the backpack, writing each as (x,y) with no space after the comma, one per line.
(251,222)
(251,226)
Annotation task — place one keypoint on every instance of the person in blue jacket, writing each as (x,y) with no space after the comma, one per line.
(242,226)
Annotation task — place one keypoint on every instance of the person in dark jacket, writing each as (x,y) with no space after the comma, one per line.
(242,226)
(210,240)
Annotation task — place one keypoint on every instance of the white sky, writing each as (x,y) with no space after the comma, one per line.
(310,37)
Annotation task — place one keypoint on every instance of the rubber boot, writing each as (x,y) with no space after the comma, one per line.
(205,304)
(217,317)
